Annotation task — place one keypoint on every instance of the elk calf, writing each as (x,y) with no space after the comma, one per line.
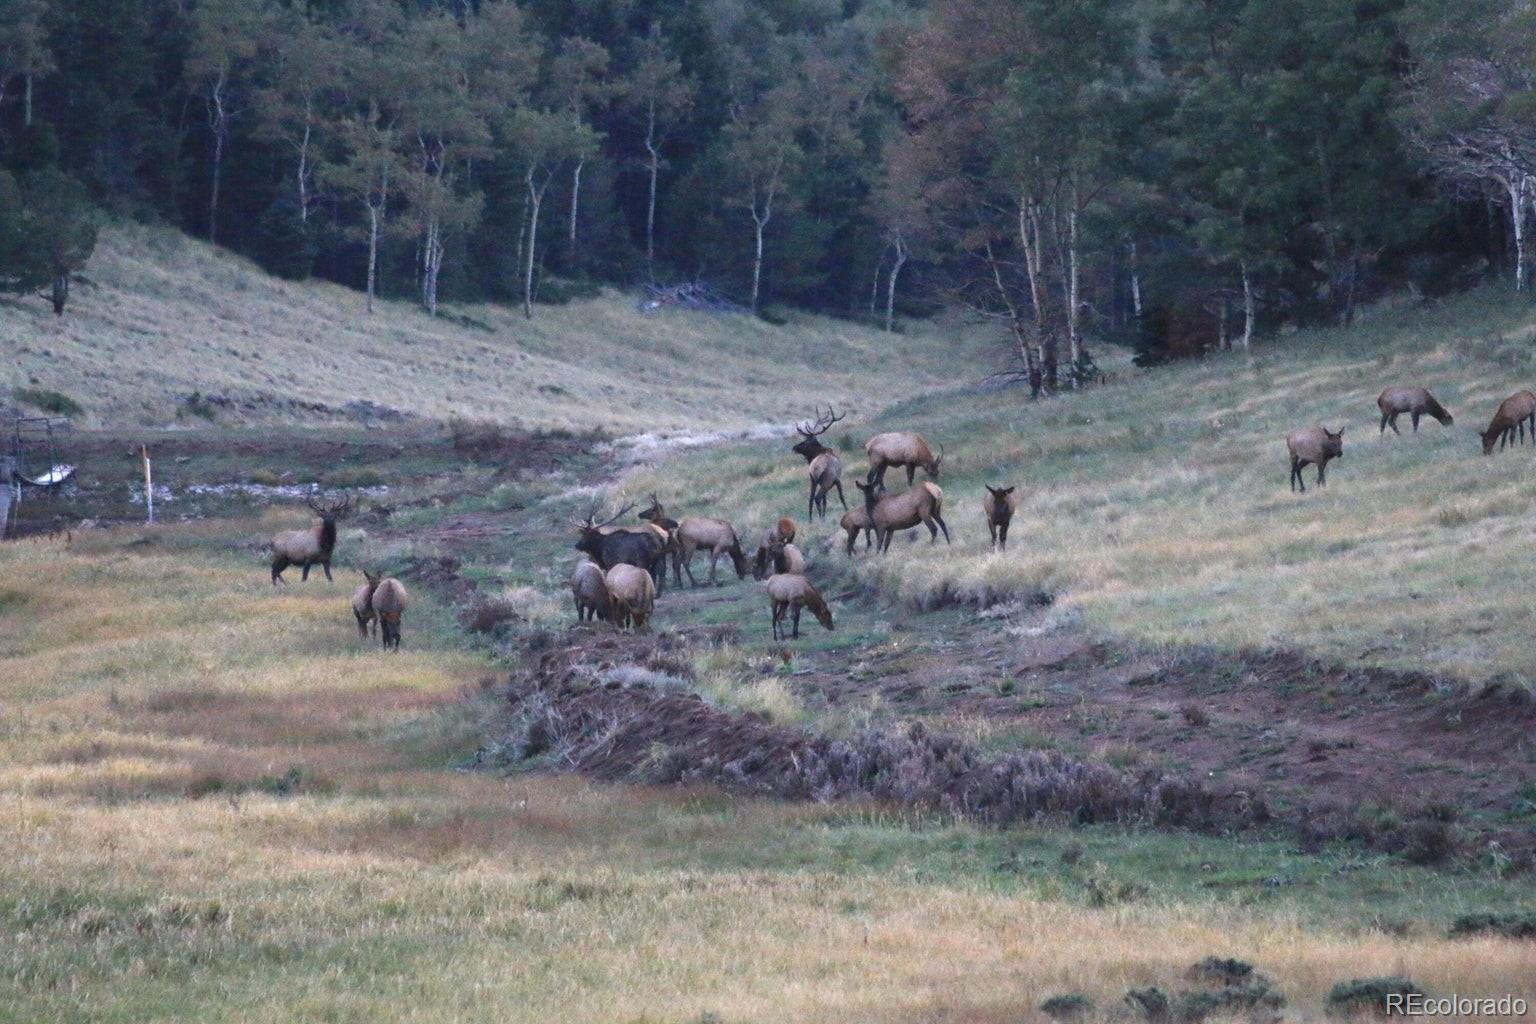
(631,596)
(901,449)
(783,532)
(362,603)
(1512,414)
(1314,445)
(892,512)
(856,521)
(1417,402)
(716,536)
(312,546)
(788,594)
(389,600)
(590,590)
(1000,504)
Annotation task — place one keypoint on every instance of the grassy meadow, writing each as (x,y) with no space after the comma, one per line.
(165,317)
(218,803)
(1158,506)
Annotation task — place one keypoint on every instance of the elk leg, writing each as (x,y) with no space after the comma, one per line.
(327,567)
(1385,419)
(839,485)
(911,472)
(278,565)
(1297,465)
(714,557)
(933,530)
(1322,473)
(943,527)
(810,503)
(304,576)
(774,610)
(1416,422)
(795,611)
(1002,536)
(992,532)
(687,560)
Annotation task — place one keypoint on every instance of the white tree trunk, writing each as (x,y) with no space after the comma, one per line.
(575,203)
(1516,185)
(535,201)
(1074,335)
(874,286)
(303,174)
(1248,308)
(432,263)
(757,260)
(373,252)
(890,288)
(26,102)
(1135,283)
(218,121)
(654,165)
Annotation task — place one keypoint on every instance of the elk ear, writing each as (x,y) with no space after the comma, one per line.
(1007,491)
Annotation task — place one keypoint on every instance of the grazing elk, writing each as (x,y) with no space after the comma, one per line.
(855,521)
(1416,402)
(388,602)
(1314,445)
(643,547)
(892,512)
(631,596)
(1512,414)
(901,449)
(784,559)
(590,590)
(1000,504)
(783,532)
(312,546)
(825,469)
(788,594)
(716,536)
(362,603)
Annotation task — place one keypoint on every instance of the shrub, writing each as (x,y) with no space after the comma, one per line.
(1368,994)
(489,615)
(355,476)
(55,403)
(1069,1006)
(1508,926)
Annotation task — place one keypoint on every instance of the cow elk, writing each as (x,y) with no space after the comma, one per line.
(901,449)
(1000,504)
(717,537)
(309,547)
(631,596)
(1313,446)
(656,518)
(389,600)
(891,512)
(787,595)
(1416,402)
(590,589)
(824,467)
(362,603)
(1513,414)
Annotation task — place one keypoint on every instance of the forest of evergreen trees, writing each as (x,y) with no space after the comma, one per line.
(1173,173)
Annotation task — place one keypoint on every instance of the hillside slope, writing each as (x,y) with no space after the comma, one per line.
(164,316)
(1158,506)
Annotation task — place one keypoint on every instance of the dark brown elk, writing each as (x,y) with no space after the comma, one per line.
(855,521)
(783,532)
(309,547)
(631,596)
(1513,414)
(1313,446)
(891,512)
(824,467)
(362,603)
(901,449)
(1416,402)
(389,600)
(590,589)
(645,547)
(1000,504)
(788,594)
(717,537)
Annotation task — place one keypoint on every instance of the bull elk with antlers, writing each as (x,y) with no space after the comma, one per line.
(824,467)
(309,547)
(643,547)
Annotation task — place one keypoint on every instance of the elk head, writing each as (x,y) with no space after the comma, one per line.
(810,444)
(332,511)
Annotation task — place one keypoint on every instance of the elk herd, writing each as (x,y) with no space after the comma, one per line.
(625,567)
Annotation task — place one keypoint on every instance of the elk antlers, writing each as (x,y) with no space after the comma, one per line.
(822,425)
(590,524)
(333,510)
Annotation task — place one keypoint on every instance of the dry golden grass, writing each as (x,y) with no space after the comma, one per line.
(216,803)
(1159,505)
(168,316)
